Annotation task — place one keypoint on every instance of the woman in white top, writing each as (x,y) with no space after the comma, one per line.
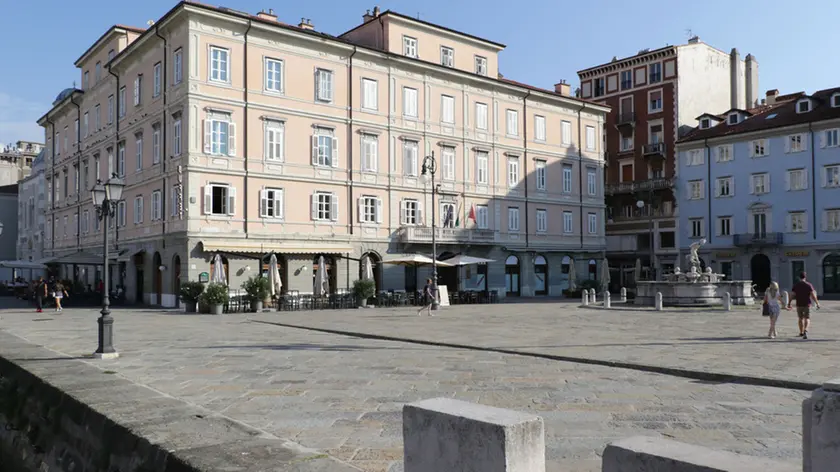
(773,300)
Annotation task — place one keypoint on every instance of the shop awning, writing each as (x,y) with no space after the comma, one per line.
(36,265)
(81,258)
(258,247)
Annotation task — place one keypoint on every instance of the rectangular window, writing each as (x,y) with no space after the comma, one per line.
(271,203)
(219,64)
(696,227)
(122,101)
(120,159)
(566,132)
(482,167)
(541,178)
(759,148)
(219,135)
(513,219)
(480,65)
(138,148)
(626,79)
(592,182)
(655,73)
(174,199)
(832,220)
(797,222)
(797,179)
(157,206)
(482,216)
(177,66)
(568,222)
(86,222)
(156,143)
(410,213)
(410,102)
(655,101)
(590,138)
(409,46)
(593,223)
(370,94)
(110,109)
(447,56)
(96,167)
(447,109)
(138,209)
(86,174)
(539,128)
(542,220)
(512,122)
(696,157)
(324,85)
(481,116)
(695,190)
(370,152)
(567,178)
(157,77)
(448,158)
(86,80)
(513,171)
(832,138)
(370,209)
(85,124)
(273,75)
(447,215)
(410,149)
(176,137)
(760,184)
(219,199)
(97,118)
(724,227)
(275,137)
(324,148)
(795,143)
(722,153)
(138,89)
(325,207)
(599,86)
(723,187)
(97,72)
(831,176)
(121,214)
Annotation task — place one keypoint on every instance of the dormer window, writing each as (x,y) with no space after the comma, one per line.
(803,106)
(705,123)
(410,46)
(734,118)
(835,100)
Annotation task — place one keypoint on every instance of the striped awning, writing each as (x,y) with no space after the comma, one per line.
(259,247)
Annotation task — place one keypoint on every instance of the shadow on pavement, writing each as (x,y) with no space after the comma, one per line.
(302,347)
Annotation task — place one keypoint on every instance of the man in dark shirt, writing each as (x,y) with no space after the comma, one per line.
(804,293)
(40,294)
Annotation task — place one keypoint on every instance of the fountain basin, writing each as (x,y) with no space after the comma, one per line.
(686,293)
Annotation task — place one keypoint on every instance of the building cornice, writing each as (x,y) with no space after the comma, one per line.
(112,31)
(442,31)
(638,59)
(762,133)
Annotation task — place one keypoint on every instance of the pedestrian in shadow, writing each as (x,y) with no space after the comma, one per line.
(772,307)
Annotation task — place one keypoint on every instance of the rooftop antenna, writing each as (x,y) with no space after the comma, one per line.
(689,33)
(74,84)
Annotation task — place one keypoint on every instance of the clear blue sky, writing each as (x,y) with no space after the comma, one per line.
(547,40)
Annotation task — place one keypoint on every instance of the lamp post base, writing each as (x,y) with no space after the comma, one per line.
(435,301)
(106,355)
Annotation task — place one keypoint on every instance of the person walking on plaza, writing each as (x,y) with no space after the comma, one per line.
(772,307)
(59,293)
(428,296)
(40,294)
(804,293)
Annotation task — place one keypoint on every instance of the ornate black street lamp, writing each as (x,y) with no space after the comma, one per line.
(429,169)
(106,198)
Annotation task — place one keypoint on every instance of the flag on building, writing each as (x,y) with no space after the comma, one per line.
(458,217)
(472,214)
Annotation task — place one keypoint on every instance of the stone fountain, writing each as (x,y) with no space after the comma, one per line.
(695,287)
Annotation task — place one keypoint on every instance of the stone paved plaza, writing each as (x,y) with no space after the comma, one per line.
(343,395)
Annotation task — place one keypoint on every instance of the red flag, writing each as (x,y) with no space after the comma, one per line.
(472,214)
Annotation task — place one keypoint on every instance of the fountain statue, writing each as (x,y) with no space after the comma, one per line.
(696,287)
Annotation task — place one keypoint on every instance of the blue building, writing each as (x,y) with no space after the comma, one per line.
(762,186)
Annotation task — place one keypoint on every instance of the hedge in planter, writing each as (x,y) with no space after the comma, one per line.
(364,289)
(215,295)
(190,294)
(257,289)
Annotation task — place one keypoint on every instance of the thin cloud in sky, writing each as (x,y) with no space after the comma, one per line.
(18,119)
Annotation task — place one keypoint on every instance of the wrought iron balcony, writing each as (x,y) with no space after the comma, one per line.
(654,149)
(758,239)
(627,118)
(638,186)
(423,234)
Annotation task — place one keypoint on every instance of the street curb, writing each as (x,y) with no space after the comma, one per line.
(673,371)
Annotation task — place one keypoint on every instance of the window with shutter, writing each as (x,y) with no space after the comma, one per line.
(566,132)
(410,149)
(324,85)
(273,75)
(274,140)
(481,116)
(512,123)
(324,148)
(410,102)
(370,152)
(539,128)
(447,109)
(370,94)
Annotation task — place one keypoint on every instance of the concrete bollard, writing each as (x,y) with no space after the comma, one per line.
(623,295)
(607,301)
(442,434)
(647,453)
(657,302)
(727,301)
(585,296)
(593,296)
(785,298)
(821,428)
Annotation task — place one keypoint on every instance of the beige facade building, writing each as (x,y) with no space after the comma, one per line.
(240,135)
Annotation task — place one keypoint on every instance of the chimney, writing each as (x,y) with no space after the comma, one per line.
(563,88)
(367,17)
(751,80)
(735,96)
(771,96)
(306,23)
(267,15)
(375,11)
(694,39)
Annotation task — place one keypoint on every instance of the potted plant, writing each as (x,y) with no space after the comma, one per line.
(215,296)
(257,289)
(364,289)
(190,293)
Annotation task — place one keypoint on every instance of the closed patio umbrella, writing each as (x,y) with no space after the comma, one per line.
(322,283)
(274,276)
(637,272)
(218,271)
(572,275)
(367,269)
(605,274)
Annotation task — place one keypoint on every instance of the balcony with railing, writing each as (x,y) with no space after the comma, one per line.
(654,150)
(628,118)
(758,239)
(423,234)
(644,214)
(639,186)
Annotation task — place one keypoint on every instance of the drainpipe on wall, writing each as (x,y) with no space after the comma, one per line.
(52,187)
(813,183)
(350,148)
(580,174)
(708,152)
(116,155)
(525,165)
(245,135)
(76,177)
(165,92)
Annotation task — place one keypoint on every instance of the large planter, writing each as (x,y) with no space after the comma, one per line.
(363,303)
(256,306)
(191,307)
(216,309)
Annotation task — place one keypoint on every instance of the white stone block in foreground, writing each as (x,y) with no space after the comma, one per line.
(647,454)
(446,435)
